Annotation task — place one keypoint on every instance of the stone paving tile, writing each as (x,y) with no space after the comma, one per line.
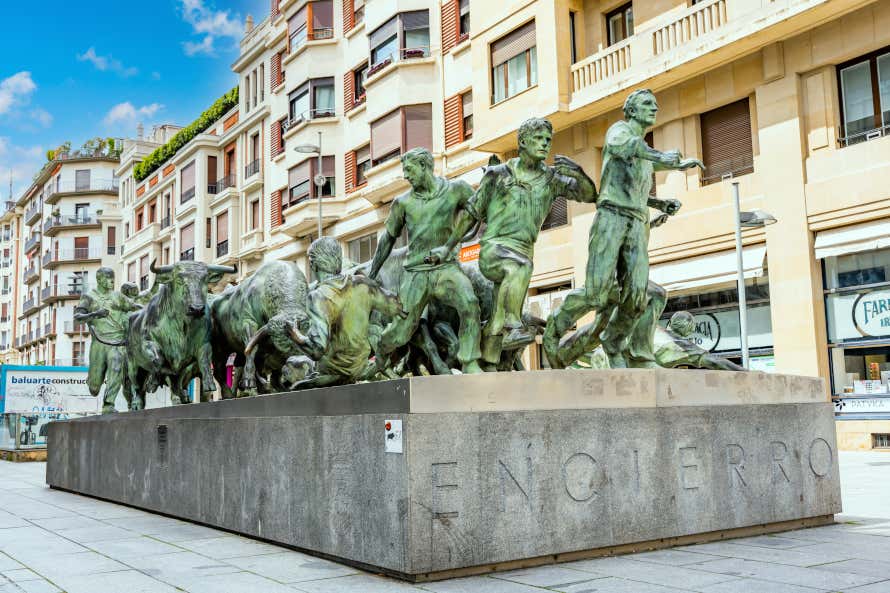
(546,576)
(881,587)
(171,568)
(85,535)
(807,556)
(674,557)
(40,586)
(671,576)
(616,585)
(229,546)
(484,584)
(771,541)
(239,582)
(756,586)
(364,583)
(8,520)
(7,563)
(182,533)
(72,522)
(127,581)
(292,567)
(82,563)
(873,568)
(20,574)
(148,525)
(848,552)
(122,549)
(792,575)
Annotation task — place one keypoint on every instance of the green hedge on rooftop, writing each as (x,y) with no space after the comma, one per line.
(164,153)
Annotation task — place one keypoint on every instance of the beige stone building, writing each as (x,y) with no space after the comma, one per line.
(786,97)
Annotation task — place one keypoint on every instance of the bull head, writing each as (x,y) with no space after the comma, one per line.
(192,278)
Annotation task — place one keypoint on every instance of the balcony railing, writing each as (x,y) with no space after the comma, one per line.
(63,291)
(865,136)
(72,187)
(165,222)
(72,255)
(73,327)
(405,53)
(188,254)
(222,248)
(252,169)
(187,195)
(299,37)
(30,274)
(32,242)
(62,221)
(49,330)
(8,206)
(29,305)
(222,184)
(33,212)
(5,263)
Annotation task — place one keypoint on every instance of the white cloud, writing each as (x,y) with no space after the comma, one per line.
(206,20)
(16,90)
(22,162)
(107,63)
(124,113)
(42,116)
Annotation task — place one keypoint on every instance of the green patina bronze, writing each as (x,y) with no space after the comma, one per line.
(427,213)
(674,349)
(340,309)
(619,237)
(106,312)
(513,200)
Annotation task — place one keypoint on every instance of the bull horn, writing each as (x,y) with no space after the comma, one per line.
(222,269)
(159,270)
(252,344)
(298,338)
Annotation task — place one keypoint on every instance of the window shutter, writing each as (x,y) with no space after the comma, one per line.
(419,127)
(275,134)
(348,16)
(276,208)
(322,14)
(726,141)
(513,44)
(188,176)
(348,91)
(383,32)
(453,120)
(143,266)
(187,237)
(222,227)
(350,162)
(275,8)
(559,214)
(416,19)
(449,25)
(275,80)
(386,134)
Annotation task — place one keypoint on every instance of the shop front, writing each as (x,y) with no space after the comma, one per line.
(705,286)
(856,273)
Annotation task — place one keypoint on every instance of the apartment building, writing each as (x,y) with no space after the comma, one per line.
(63,228)
(9,287)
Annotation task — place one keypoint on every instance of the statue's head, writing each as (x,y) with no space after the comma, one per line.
(130,290)
(417,165)
(682,323)
(325,256)
(295,369)
(641,106)
(105,278)
(535,138)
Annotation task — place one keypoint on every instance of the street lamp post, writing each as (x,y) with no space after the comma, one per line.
(753,219)
(319,180)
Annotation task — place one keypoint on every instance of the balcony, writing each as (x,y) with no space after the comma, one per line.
(31,274)
(33,213)
(5,264)
(303,35)
(405,54)
(49,331)
(186,195)
(32,242)
(221,185)
(29,306)
(222,248)
(165,222)
(54,224)
(146,234)
(73,328)
(8,206)
(301,218)
(52,259)
(312,115)
(55,293)
(252,169)
(94,186)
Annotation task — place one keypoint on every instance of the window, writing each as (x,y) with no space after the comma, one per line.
(139,220)
(208,231)
(361,250)
(153,212)
(314,98)
(81,180)
(187,183)
(514,60)
(358,11)
(111,240)
(81,213)
(262,84)
(329,189)
(313,21)
(254,215)
(187,242)
(727,147)
(359,76)
(573,36)
(620,23)
(298,185)
(865,97)
(247,93)
(400,130)
(467,113)
(297,30)
(406,35)
(222,234)
(143,272)
(463,23)
(362,164)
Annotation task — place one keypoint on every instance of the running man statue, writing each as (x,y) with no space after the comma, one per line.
(428,213)
(513,200)
(619,237)
(106,312)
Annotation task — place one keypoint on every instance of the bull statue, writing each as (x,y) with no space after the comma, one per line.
(258,321)
(169,340)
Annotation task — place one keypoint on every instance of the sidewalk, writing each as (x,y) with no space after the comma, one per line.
(54,541)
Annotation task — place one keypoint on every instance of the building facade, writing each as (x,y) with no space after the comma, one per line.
(786,97)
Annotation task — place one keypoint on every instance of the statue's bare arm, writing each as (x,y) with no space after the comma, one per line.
(394,225)
(579,187)
(672,160)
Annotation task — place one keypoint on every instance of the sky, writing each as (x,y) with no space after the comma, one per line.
(76,70)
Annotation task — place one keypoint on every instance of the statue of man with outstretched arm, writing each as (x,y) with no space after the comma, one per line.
(513,200)
(619,237)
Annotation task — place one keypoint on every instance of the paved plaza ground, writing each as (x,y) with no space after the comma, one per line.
(54,541)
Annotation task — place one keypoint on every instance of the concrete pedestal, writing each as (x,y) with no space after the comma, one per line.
(495,470)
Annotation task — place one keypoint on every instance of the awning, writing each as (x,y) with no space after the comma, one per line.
(706,270)
(853,239)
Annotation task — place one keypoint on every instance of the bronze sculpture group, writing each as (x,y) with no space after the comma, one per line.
(415,310)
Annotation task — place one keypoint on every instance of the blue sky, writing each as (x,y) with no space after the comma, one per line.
(98,68)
